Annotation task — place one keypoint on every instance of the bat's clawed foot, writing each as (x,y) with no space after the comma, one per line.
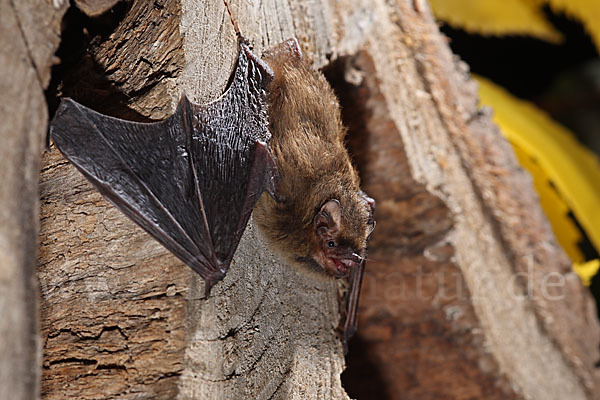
(266,71)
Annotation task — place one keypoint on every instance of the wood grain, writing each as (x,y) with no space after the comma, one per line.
(29,35)
(443,314)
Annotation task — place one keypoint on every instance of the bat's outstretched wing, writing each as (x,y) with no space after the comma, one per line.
(192,180)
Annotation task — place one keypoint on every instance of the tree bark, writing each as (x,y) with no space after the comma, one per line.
(28,39)
(121,317)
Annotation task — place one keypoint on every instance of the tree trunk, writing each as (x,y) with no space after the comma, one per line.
(121,317)
(28,40)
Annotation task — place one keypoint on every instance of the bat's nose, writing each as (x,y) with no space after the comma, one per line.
(351,258)
(356,258)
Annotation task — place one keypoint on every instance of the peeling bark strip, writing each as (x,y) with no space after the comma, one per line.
(123,318)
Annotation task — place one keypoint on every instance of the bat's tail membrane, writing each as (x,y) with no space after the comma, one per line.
(230,158)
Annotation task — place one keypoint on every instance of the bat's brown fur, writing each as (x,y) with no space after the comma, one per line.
(313,163)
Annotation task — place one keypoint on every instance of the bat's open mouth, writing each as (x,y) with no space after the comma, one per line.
(338,265)
(342,266)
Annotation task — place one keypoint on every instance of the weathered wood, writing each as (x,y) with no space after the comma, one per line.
(28,39)
(457,218)
(121,316)
(94,8)
(461,299)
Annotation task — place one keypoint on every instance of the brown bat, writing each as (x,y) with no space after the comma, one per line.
(192,180)
(321,220)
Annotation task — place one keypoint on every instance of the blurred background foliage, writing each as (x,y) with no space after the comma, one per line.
(537,63)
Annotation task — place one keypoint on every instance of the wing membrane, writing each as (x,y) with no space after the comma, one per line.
(190,181)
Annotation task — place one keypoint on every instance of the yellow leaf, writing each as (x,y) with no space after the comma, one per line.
(587,270)
(586,11)
(566,174)
(554,206)
(496,17)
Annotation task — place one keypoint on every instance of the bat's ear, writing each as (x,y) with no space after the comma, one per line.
(329,218)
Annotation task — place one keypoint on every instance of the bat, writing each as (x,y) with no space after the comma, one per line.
(321,220)
(190,181)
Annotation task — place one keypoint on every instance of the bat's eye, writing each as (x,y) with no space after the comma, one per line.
(331,243)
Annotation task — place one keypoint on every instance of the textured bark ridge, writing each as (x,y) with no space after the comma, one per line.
(441,315)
